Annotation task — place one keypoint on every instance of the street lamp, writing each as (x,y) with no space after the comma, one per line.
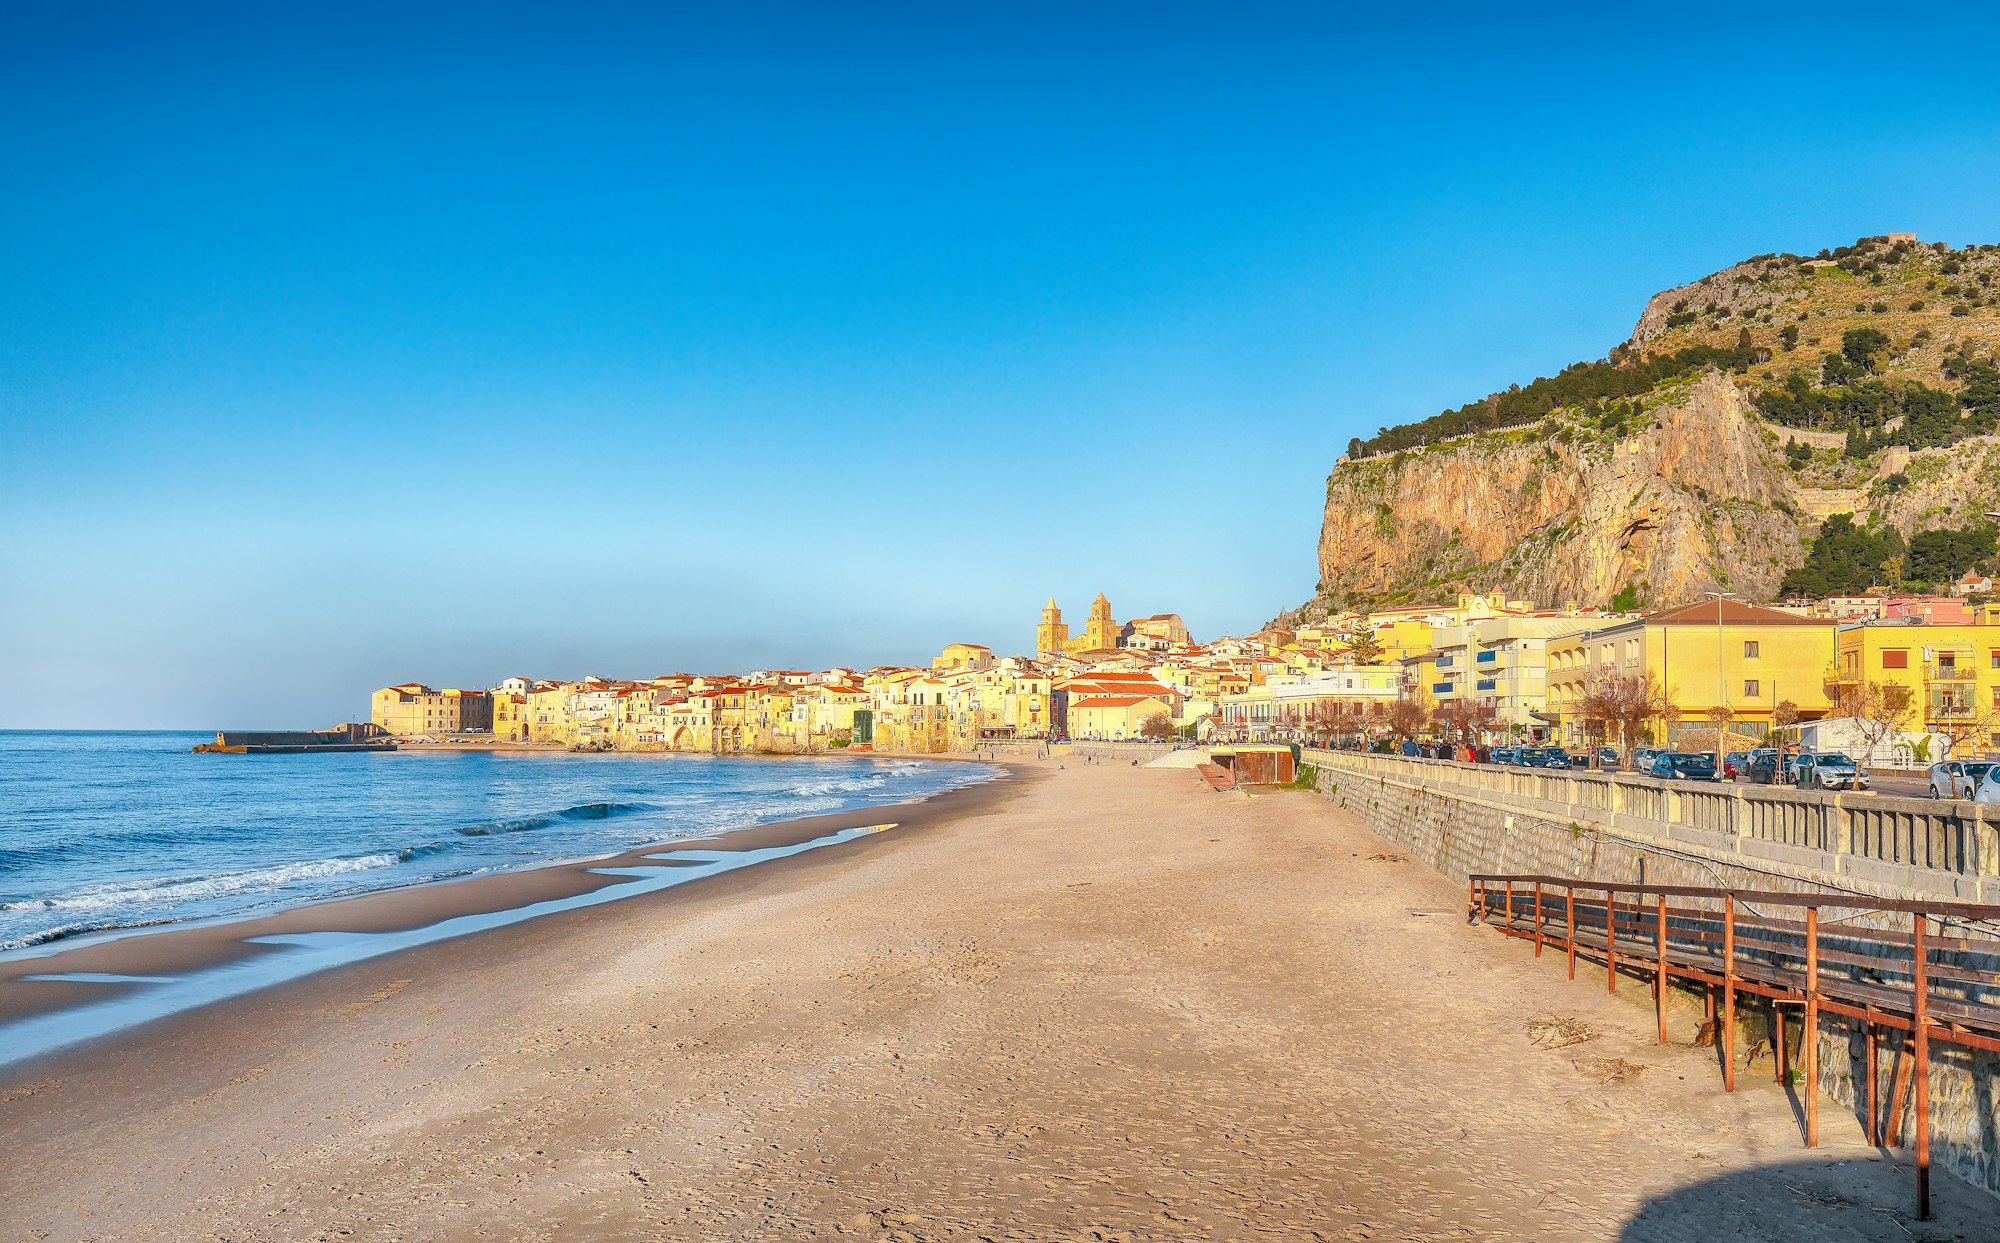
(1721,682)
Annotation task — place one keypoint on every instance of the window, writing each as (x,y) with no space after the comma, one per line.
(1995,656)
(1750,690)
(1750,649)
(1895,660)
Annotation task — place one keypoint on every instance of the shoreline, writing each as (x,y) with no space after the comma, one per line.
(122,967)
(495,746)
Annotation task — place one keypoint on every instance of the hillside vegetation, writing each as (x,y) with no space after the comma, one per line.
(1704,452)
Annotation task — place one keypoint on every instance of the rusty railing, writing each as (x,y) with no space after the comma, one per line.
(1918,969)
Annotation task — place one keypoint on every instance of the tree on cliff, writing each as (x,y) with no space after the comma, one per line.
(1624,706)
(1845,560)
(1939,557)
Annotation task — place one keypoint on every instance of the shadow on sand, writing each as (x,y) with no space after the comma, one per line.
(1821,1201)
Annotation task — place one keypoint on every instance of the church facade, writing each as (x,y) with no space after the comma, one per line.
(1101,632)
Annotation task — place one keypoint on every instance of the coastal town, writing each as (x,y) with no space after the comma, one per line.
(1907,677)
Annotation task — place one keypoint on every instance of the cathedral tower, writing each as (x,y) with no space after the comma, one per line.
(1100,632)
(1051,635)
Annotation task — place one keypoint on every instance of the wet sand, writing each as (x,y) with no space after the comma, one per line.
(202,947)
(1099,1003)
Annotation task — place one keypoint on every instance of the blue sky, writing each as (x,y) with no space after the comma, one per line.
(342,346)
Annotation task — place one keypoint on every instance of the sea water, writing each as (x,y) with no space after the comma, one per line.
(106,831)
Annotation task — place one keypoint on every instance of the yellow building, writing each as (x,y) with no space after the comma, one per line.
(510,716)
(1719,654)
(548,715)
(1951,672)
(963,656)
(413,709)
(1114,718)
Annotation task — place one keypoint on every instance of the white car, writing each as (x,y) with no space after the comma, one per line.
(1958,778)
(1988,790)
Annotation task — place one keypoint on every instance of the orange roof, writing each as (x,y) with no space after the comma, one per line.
(1112,701)
(1729,613)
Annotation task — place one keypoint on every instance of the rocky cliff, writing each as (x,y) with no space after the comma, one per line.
(1697,500)
(1685,488)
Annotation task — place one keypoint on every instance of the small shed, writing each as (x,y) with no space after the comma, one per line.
(1257,765)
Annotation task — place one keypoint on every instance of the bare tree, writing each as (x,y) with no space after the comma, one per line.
(1325,719)
(1967,726)
(1720,717)
(1624,705)
(1464,719)
(1879,710)
(1156,727)
(1404,717)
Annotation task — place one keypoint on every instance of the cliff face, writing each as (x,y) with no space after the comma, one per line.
(1697,499)
(1685,488)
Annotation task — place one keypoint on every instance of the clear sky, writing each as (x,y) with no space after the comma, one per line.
(343,346)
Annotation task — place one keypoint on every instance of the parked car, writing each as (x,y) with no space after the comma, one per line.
(1643,757)
(1506,755)
(1988,789)
(1607,758)
(1735,764)
(1556,757)
(1534,757)
(1828,770)
(1683,766)
(1767,768)
(1958,778)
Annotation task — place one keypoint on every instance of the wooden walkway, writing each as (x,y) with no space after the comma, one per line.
(1217,777)
(1916,972)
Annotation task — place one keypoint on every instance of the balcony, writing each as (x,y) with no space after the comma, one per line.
(1948,710)
(1962,674)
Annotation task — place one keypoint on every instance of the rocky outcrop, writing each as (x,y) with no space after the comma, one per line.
(1753,287)
(1698,499)
(1691,492)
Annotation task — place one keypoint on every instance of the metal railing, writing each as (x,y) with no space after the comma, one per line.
(1923,985)
(1942,835)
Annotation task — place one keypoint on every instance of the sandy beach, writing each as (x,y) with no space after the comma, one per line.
(1095,1002)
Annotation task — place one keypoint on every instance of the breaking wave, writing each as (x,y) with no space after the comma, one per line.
(527,824)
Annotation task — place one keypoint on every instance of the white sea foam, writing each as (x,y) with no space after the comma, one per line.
(846,785)
(172,890)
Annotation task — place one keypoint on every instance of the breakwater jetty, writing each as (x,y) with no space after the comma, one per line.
(352,736)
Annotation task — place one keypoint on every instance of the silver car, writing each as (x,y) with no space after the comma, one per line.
(1828,770)
(1988,789)
(1958,778)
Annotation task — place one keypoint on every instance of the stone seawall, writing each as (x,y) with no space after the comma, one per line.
(1461,832)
